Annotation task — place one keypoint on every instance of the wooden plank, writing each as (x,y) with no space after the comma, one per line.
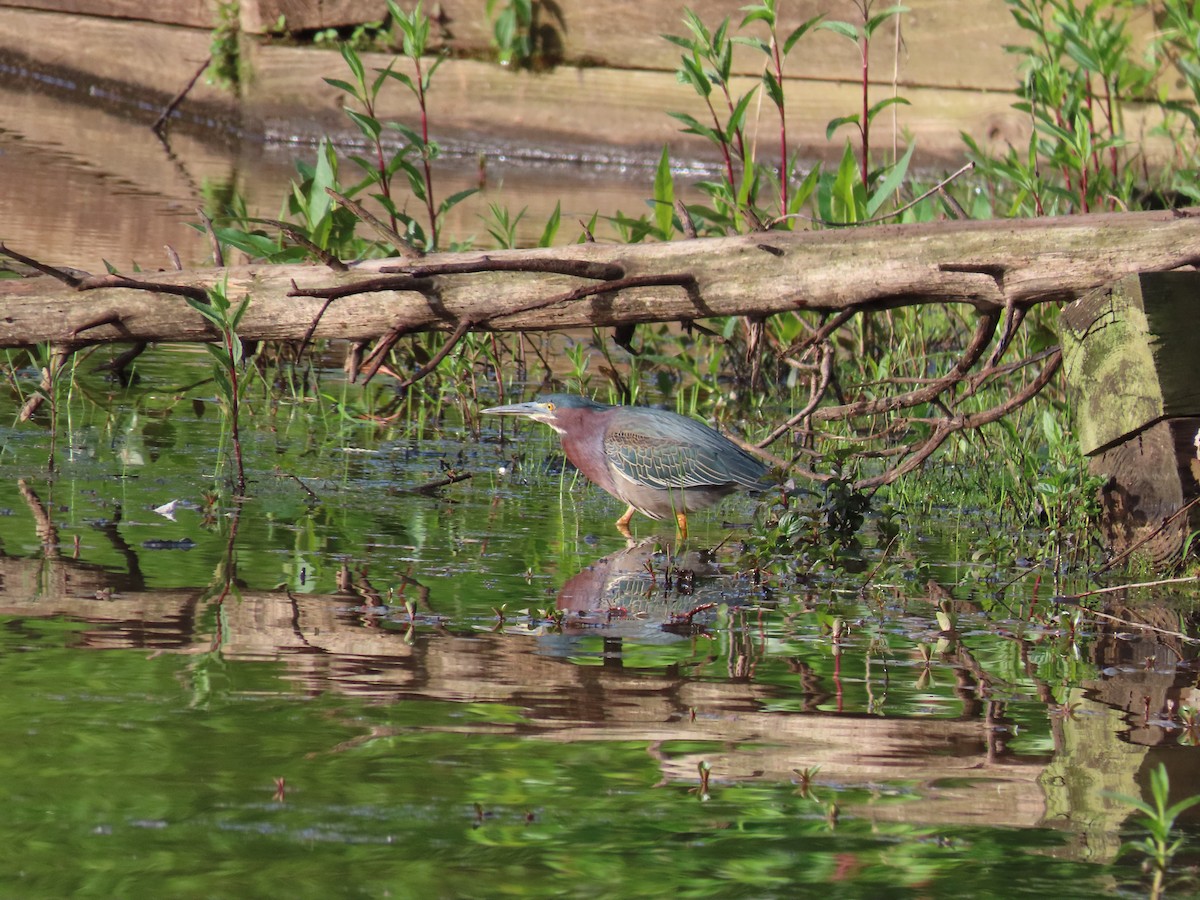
(190,13)
(138,57)
(1134,341)
(591,112)
(576,113)
(1145,489)
(943,43)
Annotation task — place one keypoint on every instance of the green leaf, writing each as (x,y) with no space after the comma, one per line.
(891,182)
(845,29)
(835,124)
(799,32)
(236,321)
(355,64)
(737,118)
(875,21)
(551,229)
(774,88)
(368,125)
(695,127)
(345,86)
(404,80)
(844,188)
(454,199)
(884,104)
(664,195)
(324,175)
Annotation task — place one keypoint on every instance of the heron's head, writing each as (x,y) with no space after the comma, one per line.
(559,411)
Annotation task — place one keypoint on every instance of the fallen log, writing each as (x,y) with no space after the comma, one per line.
(991,265)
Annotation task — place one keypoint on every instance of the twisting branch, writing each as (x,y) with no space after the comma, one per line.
(952,424)
(451,342)
(813,400)
(926,394)
(580,268)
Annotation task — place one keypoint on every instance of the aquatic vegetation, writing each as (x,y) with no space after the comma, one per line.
(1161,843)
(227,355)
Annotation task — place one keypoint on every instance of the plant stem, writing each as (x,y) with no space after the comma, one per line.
(429,206)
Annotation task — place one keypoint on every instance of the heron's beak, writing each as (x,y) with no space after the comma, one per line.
(532,408)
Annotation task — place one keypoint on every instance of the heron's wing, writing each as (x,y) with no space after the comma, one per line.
(675,452)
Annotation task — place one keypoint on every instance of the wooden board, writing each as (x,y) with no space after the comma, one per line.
(593,113)
(1147,486)
(941,43)
(190,13)
(1134,340)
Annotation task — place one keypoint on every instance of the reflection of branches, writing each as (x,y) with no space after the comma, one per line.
(225,576)
(46,530)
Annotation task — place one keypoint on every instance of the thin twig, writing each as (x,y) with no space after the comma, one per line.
(823,332)
(59,274)
(403,245)
(170,107)
(813,401)
(1072,598)
(948,426)
(970,356)
(618,284)
(1120,557)
(296,235)
(367,286)
(451,342)
(217,251)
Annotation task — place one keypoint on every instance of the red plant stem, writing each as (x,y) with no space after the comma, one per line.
(783,142)
(741,147)
(433,227)
(724,149)
(865,126)
(385,186)
(234,432)
(1112,132)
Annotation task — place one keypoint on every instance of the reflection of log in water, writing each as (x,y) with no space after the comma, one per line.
(743,727)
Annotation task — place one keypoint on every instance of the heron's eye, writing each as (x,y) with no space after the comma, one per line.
(549,407)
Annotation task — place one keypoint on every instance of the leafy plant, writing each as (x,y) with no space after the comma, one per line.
(227,364)
(1077,72)
(225,68)
(860,34)
(1160,844)
(512,30)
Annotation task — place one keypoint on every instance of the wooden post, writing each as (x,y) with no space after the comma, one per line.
(1132,356)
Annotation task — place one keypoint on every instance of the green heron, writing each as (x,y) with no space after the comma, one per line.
(658,462)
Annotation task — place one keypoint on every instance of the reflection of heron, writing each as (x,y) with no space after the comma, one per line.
(660,463)
(643,592)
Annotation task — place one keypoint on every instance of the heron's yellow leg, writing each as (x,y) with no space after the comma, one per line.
(681,521)
(623,522)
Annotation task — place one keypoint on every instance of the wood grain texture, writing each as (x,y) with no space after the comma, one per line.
(982,264)
(1134,340)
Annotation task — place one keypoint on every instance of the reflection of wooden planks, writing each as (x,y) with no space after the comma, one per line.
(952,69)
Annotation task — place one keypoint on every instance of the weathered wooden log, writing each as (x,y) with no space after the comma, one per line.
(990,265)
(1134,370)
